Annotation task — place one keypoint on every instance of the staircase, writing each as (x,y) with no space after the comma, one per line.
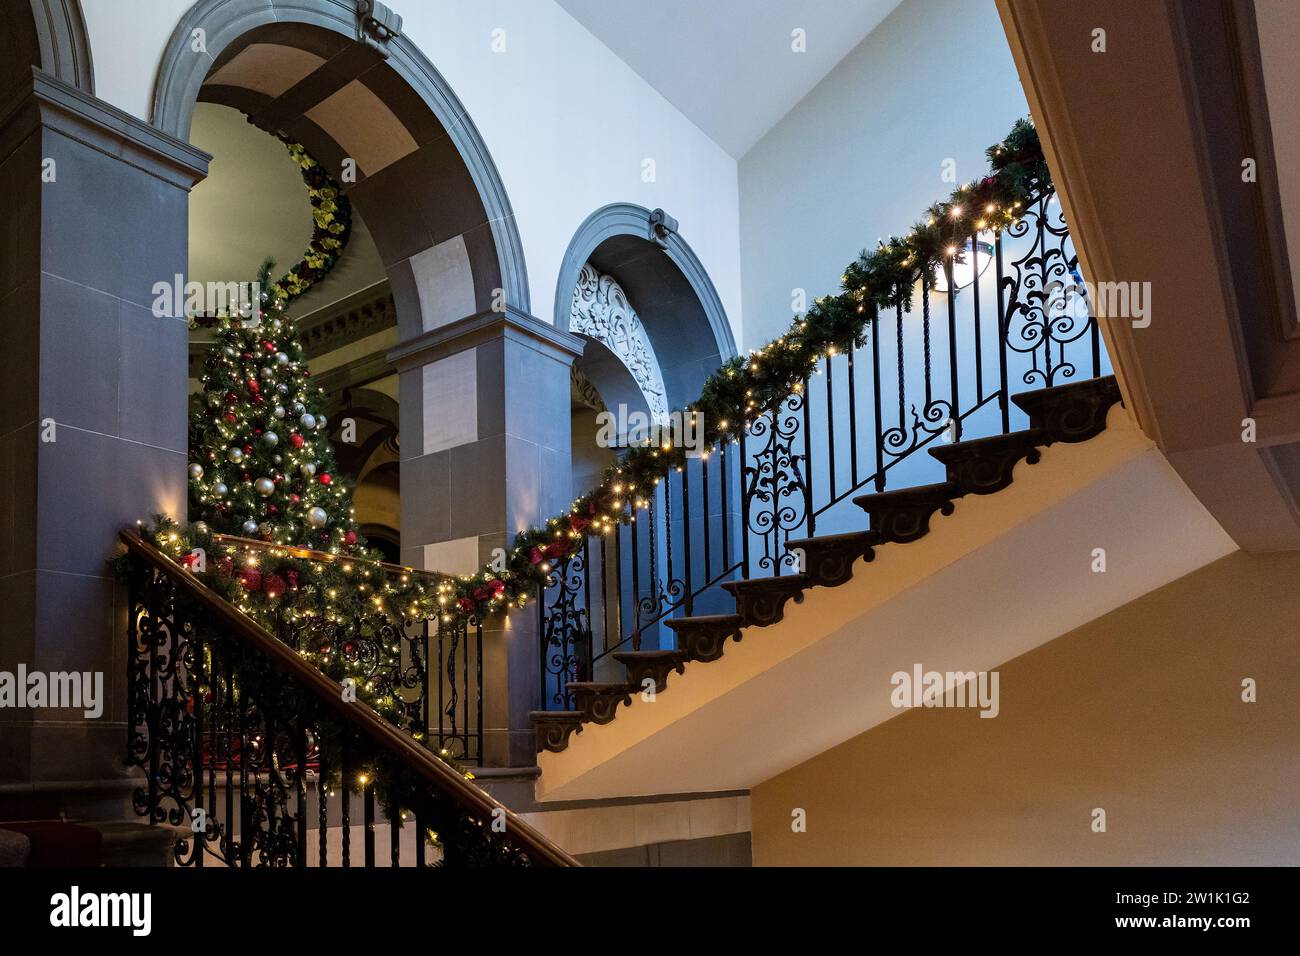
(256,758)
(1070,413)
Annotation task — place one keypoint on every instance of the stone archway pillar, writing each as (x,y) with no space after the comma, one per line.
(92,402)
(486,453)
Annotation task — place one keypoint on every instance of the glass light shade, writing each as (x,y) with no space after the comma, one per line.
(963,273)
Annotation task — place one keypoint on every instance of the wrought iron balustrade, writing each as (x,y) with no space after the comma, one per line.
(262,760)
(942,370)
(433,672)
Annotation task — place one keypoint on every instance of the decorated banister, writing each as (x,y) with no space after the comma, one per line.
(254,753)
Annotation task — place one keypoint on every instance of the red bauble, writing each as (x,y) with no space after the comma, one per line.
(273,585)
(295,499)
(248,448)
(250,578)
(297,440)
(231,398)
(230,417)
(325,479)
(350,537)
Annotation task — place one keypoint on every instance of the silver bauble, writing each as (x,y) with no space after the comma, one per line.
(281,358)
(266,372)
(201,527)
(270,439)
(196,471)
(278,411)
(249,528)
(264,487)
(309,469)
(320,420)
(307,421)
(220,489)
(299,408)
(234,455)
(278,460)
(282,388)
(317,517)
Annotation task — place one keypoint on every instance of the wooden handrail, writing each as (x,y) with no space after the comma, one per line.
(443,778)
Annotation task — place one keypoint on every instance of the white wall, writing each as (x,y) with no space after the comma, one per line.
(567,122)
(860,156)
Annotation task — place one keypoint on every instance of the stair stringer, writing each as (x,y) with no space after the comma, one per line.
(1002,575)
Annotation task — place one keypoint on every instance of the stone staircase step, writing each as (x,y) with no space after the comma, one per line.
(829,559)
(761,601)
(983,466)
(651,665)
(904,515)
(702,638)
(1072,412)
(598,702)
(553,728)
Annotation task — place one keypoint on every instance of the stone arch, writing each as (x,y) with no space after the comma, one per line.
(666,283)
(53,39)
(618,357)
(342,83)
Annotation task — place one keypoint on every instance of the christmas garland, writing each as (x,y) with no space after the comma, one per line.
(746,388)
(340,608)
(741,391)
(331,229)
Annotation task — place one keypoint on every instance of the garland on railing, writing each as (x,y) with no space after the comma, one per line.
(745,388)
(331,229)
(309,593)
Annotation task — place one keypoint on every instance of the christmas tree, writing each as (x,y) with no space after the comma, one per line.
(261,461)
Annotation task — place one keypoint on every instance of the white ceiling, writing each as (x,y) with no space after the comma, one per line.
(728,64)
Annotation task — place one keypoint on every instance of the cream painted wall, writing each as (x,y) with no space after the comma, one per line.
(1138,712)
(860,156)
(567,122)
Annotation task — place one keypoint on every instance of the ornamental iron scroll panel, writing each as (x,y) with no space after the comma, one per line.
(940,369)
(601,311)
(251,768)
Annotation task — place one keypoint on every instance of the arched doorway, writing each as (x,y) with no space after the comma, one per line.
(654,329)
(660,276)
(380,115)
(369,106)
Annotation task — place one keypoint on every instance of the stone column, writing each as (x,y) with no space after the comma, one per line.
(486,452)
(92,401)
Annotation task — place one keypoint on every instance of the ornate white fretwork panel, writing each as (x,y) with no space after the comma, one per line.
(602,312)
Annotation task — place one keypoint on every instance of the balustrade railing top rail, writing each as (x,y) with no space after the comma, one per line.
(232,728)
